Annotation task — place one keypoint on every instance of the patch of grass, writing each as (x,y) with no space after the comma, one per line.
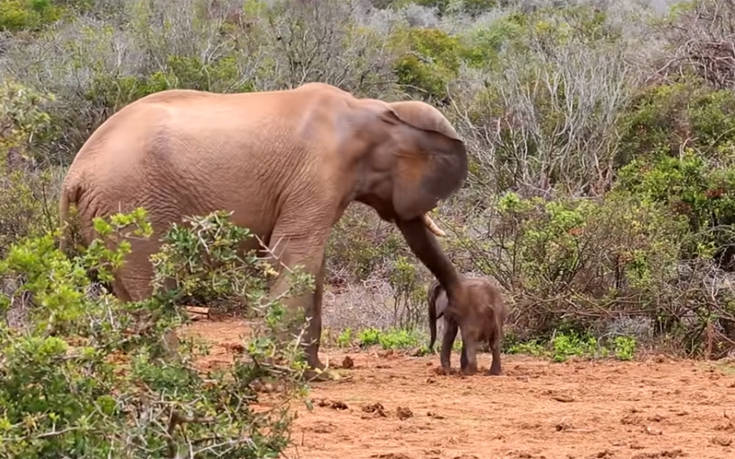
(368,337)
(564,345)
(345,338)
(625,347)
(395,338)
(532,347)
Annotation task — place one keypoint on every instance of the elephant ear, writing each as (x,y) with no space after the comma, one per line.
(432,159)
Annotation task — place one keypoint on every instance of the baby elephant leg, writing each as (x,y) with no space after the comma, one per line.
(495,347)
(450,333)
(463,357)
(469,345)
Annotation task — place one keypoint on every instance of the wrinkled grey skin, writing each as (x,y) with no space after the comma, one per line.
(480,319)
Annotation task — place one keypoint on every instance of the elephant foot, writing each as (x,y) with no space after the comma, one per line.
(442,370)
(314,362)
(495,368)
(469,371)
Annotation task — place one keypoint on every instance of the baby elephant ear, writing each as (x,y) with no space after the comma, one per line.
(432,163)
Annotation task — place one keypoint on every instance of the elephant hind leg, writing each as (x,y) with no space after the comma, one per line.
(133,280)
(495,344)
(119,290)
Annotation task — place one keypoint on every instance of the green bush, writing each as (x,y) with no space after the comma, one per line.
(202,272)
(477,7)
(28,203)
(430,62)
(27,14)
(625,347)
(25,125)
(345,338)
(368,337)
(560,260)
(691,188)
(89,376)
(667,118)
(483,47)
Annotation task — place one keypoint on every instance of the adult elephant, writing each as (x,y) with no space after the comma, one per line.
(286,163)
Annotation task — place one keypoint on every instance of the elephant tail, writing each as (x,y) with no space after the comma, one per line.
(434,291)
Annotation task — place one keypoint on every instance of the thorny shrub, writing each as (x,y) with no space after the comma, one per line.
(28,201)
(584,264)
(90,376)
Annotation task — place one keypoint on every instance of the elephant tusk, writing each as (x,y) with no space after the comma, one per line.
(432,226)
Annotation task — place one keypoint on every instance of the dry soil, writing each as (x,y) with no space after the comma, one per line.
(394,406)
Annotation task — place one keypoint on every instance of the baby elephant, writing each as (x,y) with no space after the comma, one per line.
(480,320)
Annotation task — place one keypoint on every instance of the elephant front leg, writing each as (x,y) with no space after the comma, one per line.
(469,345)
(307,254)
(450,333)
(314,316)
(463,357)
(495,367)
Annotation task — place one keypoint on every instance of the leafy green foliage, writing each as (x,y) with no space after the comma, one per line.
(27,203)
(27,14)
(181,72)
(532,347)
(685,114)
(482,47)
(558,258)
(201,258)
(394,338)
(368,336)
(705,196)
(566,344)
(625,347)
(25,125)
(345,338)
(431,61)
(90,377)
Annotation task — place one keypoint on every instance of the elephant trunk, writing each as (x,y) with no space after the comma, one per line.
(432,226)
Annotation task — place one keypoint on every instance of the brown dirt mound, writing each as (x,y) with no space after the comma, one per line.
(658,408)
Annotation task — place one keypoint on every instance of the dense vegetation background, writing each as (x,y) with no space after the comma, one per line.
(601,192)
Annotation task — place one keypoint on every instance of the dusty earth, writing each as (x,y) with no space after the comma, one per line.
(394,406)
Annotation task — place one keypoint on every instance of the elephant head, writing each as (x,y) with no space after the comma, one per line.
(417,159)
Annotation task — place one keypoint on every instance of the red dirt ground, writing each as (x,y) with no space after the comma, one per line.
(654,408)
